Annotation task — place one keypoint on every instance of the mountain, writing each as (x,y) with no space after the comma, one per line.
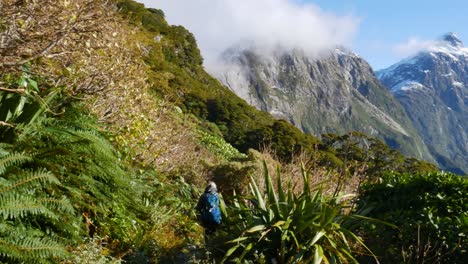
(334,93)
(432,86)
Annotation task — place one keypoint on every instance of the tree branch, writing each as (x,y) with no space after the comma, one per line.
(20,91)
(5,124)
(42,53)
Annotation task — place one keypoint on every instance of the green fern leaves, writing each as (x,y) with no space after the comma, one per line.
(22,198)
(20,245)
(10,160)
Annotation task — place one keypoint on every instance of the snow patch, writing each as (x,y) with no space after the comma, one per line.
(406,86)
(389,71)
(345,52)
(451,51)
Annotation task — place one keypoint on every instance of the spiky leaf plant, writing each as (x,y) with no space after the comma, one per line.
(23,203)
(281,226)
(22,103)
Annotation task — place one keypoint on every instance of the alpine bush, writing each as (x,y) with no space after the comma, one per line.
(430,211)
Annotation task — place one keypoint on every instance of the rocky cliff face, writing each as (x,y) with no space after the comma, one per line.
(433,88)
(336,93)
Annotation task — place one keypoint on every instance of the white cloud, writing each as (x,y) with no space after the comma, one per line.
(221,24)
(413,46)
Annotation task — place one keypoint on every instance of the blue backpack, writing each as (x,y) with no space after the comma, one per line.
(208,207)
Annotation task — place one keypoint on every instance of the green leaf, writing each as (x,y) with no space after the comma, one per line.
(239,239)
(33,84)
(229,253)
(279,223)
(44,106)
(282,198)
(246,250)
(257,194)
(256,229)
(222,206)
(318,254)
(317,237)
(269,189)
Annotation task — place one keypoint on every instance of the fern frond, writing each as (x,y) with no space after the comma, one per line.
(3,149)
(58,204)
(92,138)
(15,205)
(31,177)
(24,247)
(13,159)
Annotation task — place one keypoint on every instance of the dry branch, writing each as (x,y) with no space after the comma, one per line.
(20,91)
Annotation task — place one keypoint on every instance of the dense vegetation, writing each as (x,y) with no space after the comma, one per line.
(430,211)
(110,127)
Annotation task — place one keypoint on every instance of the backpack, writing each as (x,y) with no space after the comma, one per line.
(208,208)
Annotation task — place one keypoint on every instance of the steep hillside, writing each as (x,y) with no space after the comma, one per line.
(335,93)
(176,73)
(433,88)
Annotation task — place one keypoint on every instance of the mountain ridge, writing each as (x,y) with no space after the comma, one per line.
(335,93)
(432,87)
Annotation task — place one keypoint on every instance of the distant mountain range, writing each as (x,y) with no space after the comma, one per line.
(432,86)
(423,112)
(337,93)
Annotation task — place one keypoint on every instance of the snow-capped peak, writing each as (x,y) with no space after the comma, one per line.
(452,39)
(340,50)
(448,46)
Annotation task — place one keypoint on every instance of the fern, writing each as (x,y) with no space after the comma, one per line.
(90,171)
(92,177)
(22,247)
(22,198)
(10,160)
(28,178)
(18,206)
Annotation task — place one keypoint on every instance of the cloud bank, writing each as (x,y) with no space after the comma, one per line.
(265,24)
(414,45)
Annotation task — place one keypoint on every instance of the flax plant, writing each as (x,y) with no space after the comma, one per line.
(281,226)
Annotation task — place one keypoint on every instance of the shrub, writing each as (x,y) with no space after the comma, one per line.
(220,147)
(430,211)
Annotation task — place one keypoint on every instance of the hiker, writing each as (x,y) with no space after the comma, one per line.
(208,210)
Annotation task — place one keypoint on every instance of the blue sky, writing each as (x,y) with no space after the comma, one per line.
(384,25)
(381,31)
